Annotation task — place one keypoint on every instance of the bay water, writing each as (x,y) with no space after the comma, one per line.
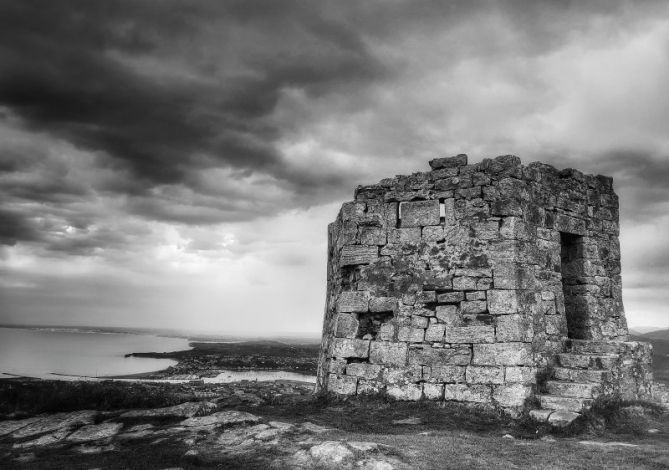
(52,353)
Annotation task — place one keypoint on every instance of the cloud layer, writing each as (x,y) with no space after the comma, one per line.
(147,144)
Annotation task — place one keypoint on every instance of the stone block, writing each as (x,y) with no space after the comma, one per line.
(513,276)
(352,255)
(402,236)
(447,373)
(568,224)
(390,211)
(514,228)
(453,183)
(511,396)
(347,326)
(369,192)
(547,295)
(400,375)
(449,162)
(503,354)
(503,165)
(353,301)
(519,374)
(369,387)
(488,230)
(484,375)
(474,307)
(556,325)
(464,283)
(386,332)
(433,391)
(419,213)
(451,297)
(342,384)
(435,332)
(426,297)
(388,353)
(382,304)
(412,335)
(540,415)
(470,334)
(343,347)
(433,234)
(337,366)
(437,280)
(364,370)
(469,193)
(448,314)
(353,211)
(475,295)
(428,356)
(473,272)
(372,235)
(510,328)
(502,302)
(506,206)
(562,418)
(419,322)
(406,392)
(467,393)
(548,307)
(442,173)
(347,234)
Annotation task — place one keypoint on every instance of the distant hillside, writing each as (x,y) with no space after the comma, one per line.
(643,330)
(660,341)
(657,334)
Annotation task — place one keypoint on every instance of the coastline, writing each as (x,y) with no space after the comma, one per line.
(205,360)
(209,359)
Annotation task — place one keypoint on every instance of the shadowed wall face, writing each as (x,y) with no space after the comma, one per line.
(466,281)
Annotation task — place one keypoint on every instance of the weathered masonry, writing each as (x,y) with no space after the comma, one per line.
(468,282)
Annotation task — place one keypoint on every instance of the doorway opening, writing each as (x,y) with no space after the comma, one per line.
(575,301)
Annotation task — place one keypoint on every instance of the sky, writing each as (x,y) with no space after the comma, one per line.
(175,164)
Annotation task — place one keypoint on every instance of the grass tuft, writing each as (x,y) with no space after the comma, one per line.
(618,416)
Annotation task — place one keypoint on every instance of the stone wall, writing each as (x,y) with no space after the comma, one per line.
(464,282)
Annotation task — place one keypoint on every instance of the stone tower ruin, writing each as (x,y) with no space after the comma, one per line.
(486,283)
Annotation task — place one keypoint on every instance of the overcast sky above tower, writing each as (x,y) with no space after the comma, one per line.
(175,164)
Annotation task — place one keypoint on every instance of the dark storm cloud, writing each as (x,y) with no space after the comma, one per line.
(14,227)
(62,73)
(161,93)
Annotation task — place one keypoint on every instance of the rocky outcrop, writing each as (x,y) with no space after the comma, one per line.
(229,433)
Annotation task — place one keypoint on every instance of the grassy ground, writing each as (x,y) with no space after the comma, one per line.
(449,437)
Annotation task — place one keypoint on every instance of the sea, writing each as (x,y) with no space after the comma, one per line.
(62,353)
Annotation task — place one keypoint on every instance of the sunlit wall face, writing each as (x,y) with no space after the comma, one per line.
(177,167)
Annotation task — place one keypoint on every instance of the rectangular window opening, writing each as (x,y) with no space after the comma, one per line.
(369,323)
